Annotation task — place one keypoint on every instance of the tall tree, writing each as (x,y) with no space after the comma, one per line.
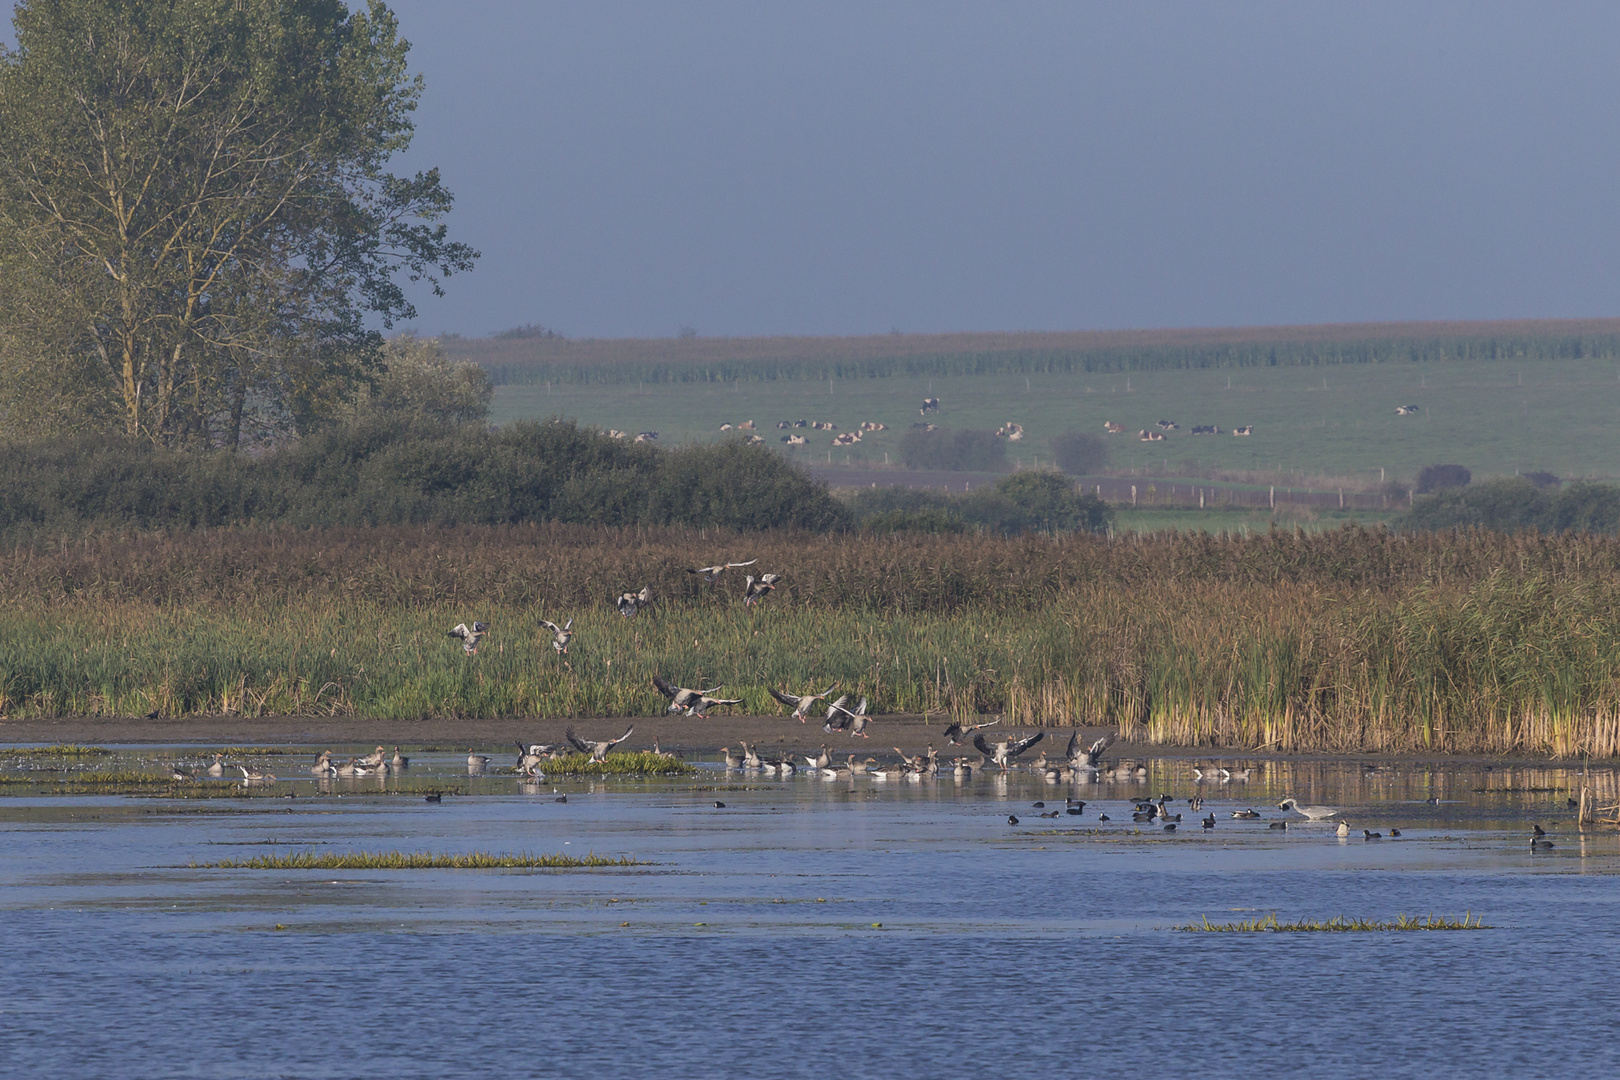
(195,217)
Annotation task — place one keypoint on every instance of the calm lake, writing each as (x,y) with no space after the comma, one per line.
(809,927)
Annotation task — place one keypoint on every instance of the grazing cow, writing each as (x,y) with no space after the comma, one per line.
(1205,429)
(793,440)
(801,423)
(848,438)
(1112,428)
(1010,430)
(615,433)
(1167,425)
(929,405)
(646,436)
(783,425)
(725,427)
(1150,436)
(1405,410)
(872,425)
(755,438)
(1246,429)
(924,427)
(746,425)
(824,425)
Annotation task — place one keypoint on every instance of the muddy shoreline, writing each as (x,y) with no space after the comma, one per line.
(691,737)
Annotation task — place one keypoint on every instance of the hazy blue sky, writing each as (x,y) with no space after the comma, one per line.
(758,168)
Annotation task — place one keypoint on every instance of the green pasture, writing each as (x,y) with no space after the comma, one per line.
(1497,417)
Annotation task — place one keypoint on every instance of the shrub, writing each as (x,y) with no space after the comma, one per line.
(966,450)
(1079,454)
(1541,478)
(1440,477)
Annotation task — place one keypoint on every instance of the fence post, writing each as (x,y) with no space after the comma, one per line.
(1133,494)
(1274,496)
(1341,498)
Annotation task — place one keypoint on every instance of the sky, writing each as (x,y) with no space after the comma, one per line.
(629,169)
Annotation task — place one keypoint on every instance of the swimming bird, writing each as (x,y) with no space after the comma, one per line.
(1172,826)
(528,762)
(1003,753)
(1342,830)
(692,702)
(839,718)
(399,760)
(374,758)
(437,796)
(1539,830)
(734,758)
(821,760)
(1209,822)
(1240,775)
(756,589)
(1250,813)
(956,733)
(218,766)
(1433,800)
(177,773)
(476,763)
(1279,825)
(858,767)
(1075,806)
(751,758)
(801,702)
(1394,832)
(469,638)
(597,750)
(1368,834)
(630,604)
(560,635)
(1538,844)
(254,775)
(963,770)
(1012,819)
(1315,813)
(323,764)
(711,572)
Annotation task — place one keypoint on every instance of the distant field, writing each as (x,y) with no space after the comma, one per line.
(1496,416)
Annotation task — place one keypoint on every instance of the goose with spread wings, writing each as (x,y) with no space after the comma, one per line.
(691,702)
(756,588)
(801,702)
(840,717)
(1003,753)
(560,635)
(956,733)
(631,603)
(711,572)
(1084,759)
(469,638)
(597,750)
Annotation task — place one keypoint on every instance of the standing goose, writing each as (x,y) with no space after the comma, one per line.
(217,768)
(751,758)
(956,733)
(754,589)
(630,603)
(734,758)
(399,760)
(1314,813)
(801,702)
(597,750)
(560,635)
(839,717)
(711,572)
(1003,753)
(691,702)
(476,763)
(469,638)
(528,762)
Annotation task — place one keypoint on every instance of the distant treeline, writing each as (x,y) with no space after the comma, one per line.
(529,360)
(395,472)
(1520,503)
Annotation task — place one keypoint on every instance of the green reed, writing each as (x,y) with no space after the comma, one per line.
(416,860)
(1338,924)
(62,750)
(638,763)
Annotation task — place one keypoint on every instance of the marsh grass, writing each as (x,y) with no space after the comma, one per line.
(639,763)
(416,860)
(1354,640)
(1338,924)
(62,750)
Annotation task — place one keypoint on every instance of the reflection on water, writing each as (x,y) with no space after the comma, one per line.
(810,926)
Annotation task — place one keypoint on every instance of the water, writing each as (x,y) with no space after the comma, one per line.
(749,947)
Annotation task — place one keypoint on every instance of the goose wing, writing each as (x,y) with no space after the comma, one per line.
(1074,745)
(645,595)
(982,747)
(750,562)
(769,579)
(707,700)
(578,743)
(786,699)
(553,627)
(665,688)
(621,738)
(1024,744)
(460,631)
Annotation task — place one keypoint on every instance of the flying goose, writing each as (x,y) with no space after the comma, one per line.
(469,638)
(755,589)
(630,603)
(597,750)
(1315,813)
(839,718)
(1086,759)
(1003,753)
(801,702)
(692,702)
(528,762)
(560,635)
(955,733)
(711,572)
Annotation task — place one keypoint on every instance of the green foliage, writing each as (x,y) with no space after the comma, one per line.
(1440,477)
(419,382)
(1023,502)
(403,470)
(1520,503)
(195,220)
(968,450)
(635,763)
(1080,454)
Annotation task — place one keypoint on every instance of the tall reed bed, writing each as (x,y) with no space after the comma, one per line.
(1354,640)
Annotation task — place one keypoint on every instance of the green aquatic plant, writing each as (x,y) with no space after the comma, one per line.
(1338,924)
(416,860)
(60,750)
(638,763)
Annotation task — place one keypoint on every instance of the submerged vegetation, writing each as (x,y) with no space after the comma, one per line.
(1343,641)
(638,763)
(417,860)
(62,750)
(1338,924)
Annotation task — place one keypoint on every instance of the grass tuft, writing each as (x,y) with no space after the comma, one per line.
(60,750)
(415,860)
(1338,924)
(639,763)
